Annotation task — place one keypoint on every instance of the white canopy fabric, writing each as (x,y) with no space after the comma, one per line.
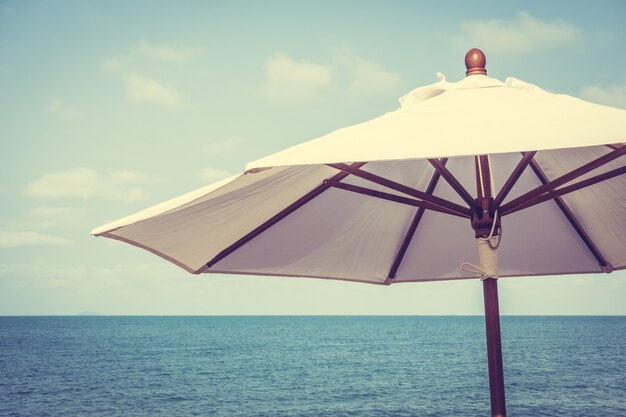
(477,115)
(283,217)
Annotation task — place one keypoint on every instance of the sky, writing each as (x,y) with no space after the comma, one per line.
(108,107)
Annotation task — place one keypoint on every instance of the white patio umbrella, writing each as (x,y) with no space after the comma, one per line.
(404,197)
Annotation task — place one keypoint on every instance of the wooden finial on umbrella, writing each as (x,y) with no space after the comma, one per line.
(475,62)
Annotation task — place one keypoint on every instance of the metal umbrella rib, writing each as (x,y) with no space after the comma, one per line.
(357,172)
(571,218)
(325,185)
(552,193)
(408,237)
(563,179)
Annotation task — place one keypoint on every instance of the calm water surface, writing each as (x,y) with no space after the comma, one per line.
(307,366)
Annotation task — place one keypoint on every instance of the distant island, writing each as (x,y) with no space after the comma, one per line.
(88,313)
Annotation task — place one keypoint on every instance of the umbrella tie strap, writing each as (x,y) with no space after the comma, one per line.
(487,254)
(488,260)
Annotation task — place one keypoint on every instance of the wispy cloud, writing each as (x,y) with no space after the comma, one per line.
(221,147)
(288,80)
(38,218)
(87,183)
(140,89)
(58,108)
(614,95)
(368,77)
(114,64)
(18,239)
(167,53)
(291,80)
(214,174)
(521,35)
(142,58)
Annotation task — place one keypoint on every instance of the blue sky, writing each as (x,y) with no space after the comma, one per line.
(110,107)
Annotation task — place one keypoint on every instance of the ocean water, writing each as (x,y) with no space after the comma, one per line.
(307,366)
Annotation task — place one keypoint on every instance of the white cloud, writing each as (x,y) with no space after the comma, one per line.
(56,107)
(86,183)
(43,218)
(614,95)
(159,53)
(113,64)
(222,147)
(521,35)
(46,217)
(140,89)
(46,212)
(214,174)
(18,239)
(143,89)
(167,53)
(368,77)
(290,80)
(130,177)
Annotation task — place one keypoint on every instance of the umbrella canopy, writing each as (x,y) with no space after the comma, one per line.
(366,203)
(404,196)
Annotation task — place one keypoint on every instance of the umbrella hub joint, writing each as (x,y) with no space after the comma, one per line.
(485,222)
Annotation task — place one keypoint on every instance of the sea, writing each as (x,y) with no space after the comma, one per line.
(308,366)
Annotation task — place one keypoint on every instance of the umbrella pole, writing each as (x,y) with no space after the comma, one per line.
(494,347)
(486,225)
